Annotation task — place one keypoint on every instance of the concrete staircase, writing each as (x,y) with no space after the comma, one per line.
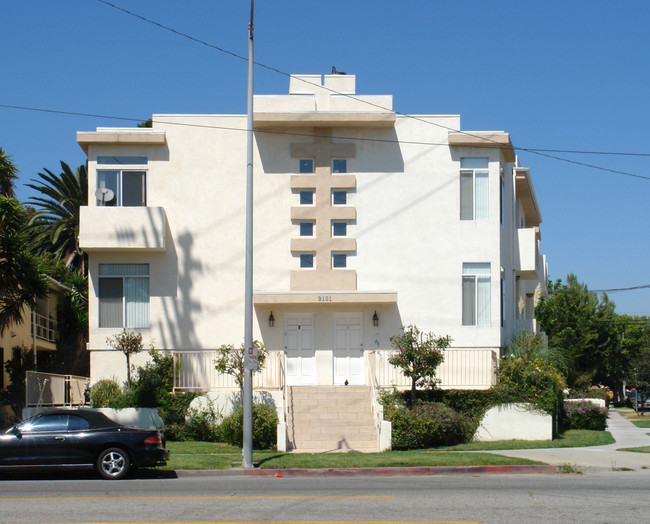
(331,418)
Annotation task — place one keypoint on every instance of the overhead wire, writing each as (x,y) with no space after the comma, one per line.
(535,151)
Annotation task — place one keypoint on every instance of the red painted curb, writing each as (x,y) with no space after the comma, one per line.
(418,470)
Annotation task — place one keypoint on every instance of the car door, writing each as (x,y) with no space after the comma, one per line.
(40,440)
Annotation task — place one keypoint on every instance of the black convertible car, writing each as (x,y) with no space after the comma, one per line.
(80,439)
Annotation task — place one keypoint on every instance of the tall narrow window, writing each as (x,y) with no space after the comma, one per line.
(339,260)
(474,187)
(476,294)
(124,295)
(339,229)
(339,198)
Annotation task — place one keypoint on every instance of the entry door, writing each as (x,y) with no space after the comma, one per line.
(348,349)
(301,355)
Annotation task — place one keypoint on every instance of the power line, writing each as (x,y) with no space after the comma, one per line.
(535,151)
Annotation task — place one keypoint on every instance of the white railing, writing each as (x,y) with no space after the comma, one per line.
(377,409)
(463,368)
(195,371)
(49,389)
(44,327)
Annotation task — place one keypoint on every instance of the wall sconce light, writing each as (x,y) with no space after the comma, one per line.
(375,320)
(271,319)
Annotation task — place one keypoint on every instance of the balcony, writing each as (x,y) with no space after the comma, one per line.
(527,254)
(123,228)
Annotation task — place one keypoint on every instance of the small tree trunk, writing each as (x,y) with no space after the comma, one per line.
(413,391)
(128,370)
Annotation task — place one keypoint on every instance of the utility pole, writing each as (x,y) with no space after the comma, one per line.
(251,353)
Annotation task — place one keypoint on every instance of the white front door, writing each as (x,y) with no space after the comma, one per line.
(301,355)
(348,349)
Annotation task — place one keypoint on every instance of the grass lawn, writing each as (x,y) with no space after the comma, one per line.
(211,455)
(642,449)
(641,423)
(572,438)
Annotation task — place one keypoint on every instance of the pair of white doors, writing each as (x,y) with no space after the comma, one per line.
(347,350)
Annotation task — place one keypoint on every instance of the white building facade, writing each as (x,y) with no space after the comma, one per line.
(364,221)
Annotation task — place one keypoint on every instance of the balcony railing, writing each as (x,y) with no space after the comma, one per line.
(49,389)
(464,368)
(44,327)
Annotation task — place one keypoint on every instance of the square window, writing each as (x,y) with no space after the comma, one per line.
(306,229)
(124,295)
(339,260)
(307,198)
(339,165)
(306,165)
(339,198)
(121,188)
(307,260)
(339,229)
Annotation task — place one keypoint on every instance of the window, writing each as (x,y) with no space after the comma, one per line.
(306,260)
(124,295)
(306,229)
(122,160)
(307,197)
(502,199)
(339,198)
(76,423)
(122,188)
(46,423)
(476,294)
(339,229)
(474,188)
(339,165)
(306,165)
(339,260)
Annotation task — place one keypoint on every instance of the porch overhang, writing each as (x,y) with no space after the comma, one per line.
(261,298)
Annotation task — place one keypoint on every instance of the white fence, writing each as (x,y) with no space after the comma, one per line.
(462,368)
(49,389)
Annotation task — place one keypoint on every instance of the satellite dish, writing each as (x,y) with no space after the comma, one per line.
(104,194)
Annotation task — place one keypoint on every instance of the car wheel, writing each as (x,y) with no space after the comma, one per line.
(113,463)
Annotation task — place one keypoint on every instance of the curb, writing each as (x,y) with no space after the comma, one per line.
(419,470)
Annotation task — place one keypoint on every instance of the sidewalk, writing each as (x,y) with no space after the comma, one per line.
(626,434)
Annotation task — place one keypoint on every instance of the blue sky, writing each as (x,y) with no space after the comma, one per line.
(555,75)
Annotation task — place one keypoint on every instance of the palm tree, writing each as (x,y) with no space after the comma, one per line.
(8,173)
(56,221)
(21,278)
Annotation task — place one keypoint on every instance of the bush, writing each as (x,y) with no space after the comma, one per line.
(428,425)
(532,381)
(265,426)
(103,392)
(177,432)
(584,415)
(599,393)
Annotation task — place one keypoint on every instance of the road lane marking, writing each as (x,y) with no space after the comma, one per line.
(199,497)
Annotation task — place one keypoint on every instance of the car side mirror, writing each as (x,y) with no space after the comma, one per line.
(16,431)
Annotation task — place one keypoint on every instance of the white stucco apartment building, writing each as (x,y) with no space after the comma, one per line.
(364,220)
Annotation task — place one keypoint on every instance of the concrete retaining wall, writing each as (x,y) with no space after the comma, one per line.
(514,421)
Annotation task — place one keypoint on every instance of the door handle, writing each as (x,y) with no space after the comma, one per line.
(59,438)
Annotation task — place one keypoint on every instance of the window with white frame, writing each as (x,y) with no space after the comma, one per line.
(306,229)
(339,260)
(306,260)
(476,294)
(474,176)
(339,197)
(121,185)
(307,197)
(123,295)
(339,165)
(339,229)
(306,165)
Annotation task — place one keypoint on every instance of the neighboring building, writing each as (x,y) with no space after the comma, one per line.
(37,332)
(364,220)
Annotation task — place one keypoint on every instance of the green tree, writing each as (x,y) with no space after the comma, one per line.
(639,375)
(56,221)
(583,325)
(129,343)
(21,278)
(231,360)
(8,174)
(418,355)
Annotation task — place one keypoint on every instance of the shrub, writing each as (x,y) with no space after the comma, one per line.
(428,425)
(103,392)
(532,381)
(265,426)
(177,432)
(203,424)
(599,393)
(584,415)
